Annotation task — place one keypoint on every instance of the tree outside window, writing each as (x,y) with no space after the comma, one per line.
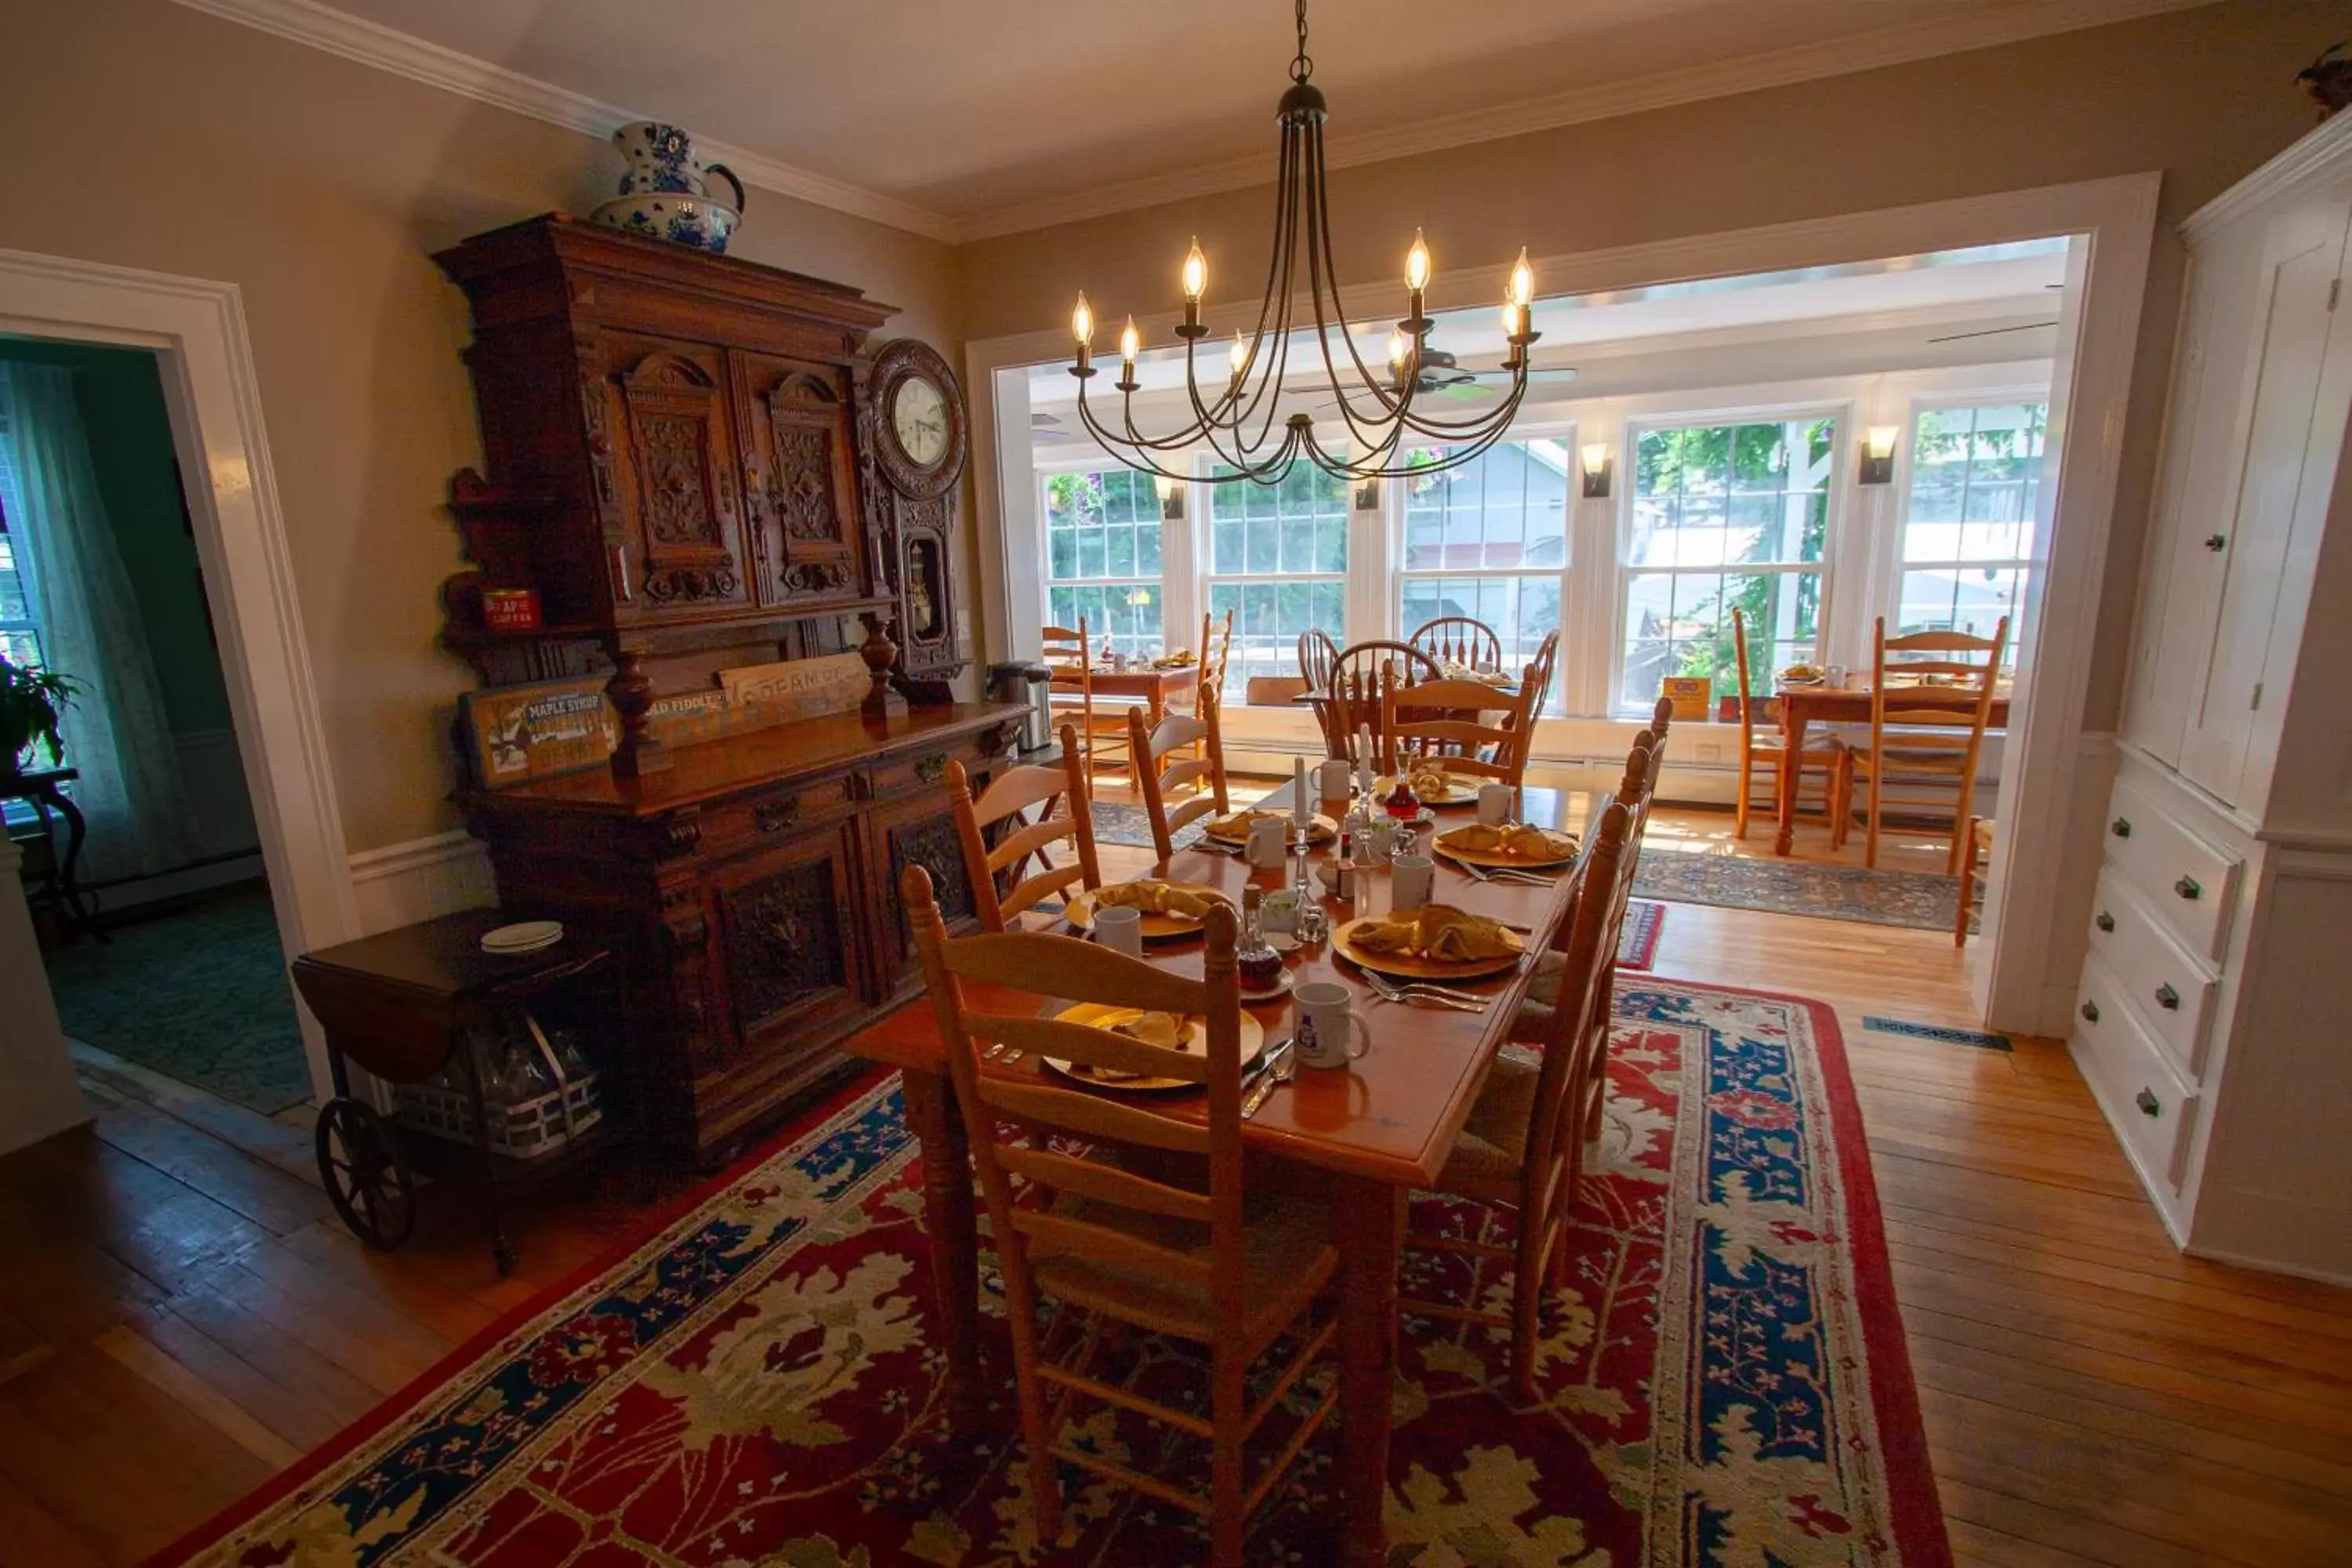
(1102,559)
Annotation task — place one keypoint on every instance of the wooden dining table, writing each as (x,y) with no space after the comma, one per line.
(1368,1134)
(1802,705)
(1156,687)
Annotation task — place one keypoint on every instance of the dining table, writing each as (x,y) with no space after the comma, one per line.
(1804,703)
(1368,1134)
(1156,686)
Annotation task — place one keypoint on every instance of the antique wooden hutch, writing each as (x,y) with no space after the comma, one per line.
(688,461)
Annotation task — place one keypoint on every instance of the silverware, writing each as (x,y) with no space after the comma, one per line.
(1279,1069)
(1387,990)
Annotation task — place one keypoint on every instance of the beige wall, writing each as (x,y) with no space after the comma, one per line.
(2203,96)
(155,136)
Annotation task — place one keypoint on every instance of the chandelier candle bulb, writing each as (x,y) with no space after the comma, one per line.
(1523,281)
(1196,283)
(1240,356)
(1082,328)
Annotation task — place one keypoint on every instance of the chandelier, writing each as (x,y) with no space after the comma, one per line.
(1236,418)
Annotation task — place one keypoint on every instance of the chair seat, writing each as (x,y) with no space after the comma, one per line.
(1817,744)
(1286,1258)
(1489,1156)
(1929,760)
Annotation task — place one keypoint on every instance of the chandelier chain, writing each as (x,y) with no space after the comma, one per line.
(1302,64)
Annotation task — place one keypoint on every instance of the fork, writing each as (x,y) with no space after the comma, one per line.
(1389,991)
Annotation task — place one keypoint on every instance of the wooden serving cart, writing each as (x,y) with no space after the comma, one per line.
(404,1005)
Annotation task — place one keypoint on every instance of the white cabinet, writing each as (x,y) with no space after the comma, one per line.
(2214,1006)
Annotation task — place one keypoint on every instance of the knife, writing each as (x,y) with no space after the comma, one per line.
(1268,1075)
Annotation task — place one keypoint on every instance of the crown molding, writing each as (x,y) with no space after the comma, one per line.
(2317,155)
(402,54)
(1987,28)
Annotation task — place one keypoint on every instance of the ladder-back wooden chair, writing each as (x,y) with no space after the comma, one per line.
(1216,647)
(999,892)
(1916,743)
(1765,750)
(1535,684)
(1459,639)
(1522,1147)
(1126,1247)
(1319,666)
(1070,655)
(1447,719)
(1358,689)
(1161,769)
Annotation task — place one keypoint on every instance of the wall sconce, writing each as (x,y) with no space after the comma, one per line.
(1594,460)
(1172,497)
(1878,454)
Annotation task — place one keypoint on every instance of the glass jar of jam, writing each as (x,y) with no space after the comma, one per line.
(1401,803)
(1258,965)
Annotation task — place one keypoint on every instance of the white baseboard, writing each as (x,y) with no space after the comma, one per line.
(119,897)
(401,884)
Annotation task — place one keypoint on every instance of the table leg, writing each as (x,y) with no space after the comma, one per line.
(1792,723)
(1368,1225)
(503,1247)
(79,914)
(952,1227)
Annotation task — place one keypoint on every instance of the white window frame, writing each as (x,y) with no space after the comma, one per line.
(1897,522)
(1836,539)
(1095,462)
(1200,509)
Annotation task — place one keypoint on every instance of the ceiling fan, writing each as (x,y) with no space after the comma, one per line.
(1441,375)
(1045,430)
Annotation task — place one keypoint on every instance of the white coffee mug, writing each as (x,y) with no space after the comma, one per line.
(1332,779)
(1494,803)
(1834,678)
(1328,1031)
(1414,877)
(1265,843)
(1121,929)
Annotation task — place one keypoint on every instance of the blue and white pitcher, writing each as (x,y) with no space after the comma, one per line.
(665,194)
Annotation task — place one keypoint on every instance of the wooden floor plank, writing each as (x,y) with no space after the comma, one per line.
(150,1361)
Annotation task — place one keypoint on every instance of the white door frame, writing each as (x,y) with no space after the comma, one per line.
(2053,773)
(197,330)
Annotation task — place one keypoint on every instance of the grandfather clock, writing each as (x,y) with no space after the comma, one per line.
(922,440)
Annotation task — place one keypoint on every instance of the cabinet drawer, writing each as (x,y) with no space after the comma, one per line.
(2188,881)
(2175,994)
(2153,1110)
(753,821)
(914,772)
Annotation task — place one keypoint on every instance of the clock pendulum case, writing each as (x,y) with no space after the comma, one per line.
(922,439)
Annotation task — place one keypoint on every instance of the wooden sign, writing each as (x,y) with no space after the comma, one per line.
(800,688)
(516,734)
(1690,695)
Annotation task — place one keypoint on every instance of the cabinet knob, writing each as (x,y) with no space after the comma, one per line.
(777,817)
(2090,1011)
(2215,542)
(2104,921)
(2188,888)
(2120,827)
(2167,998)
(2148,1104)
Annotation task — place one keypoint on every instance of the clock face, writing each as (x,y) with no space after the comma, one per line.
(919,415)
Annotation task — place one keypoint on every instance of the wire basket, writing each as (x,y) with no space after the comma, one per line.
(525,1129)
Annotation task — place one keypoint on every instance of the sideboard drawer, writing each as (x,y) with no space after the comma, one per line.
(914,773)
(755,820)
(2153,1109)
(2174,993)
(2190,882)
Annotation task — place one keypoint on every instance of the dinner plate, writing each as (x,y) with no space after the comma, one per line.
(523,936)
(1496,859)
(1156,926)
(1459,791)
(1323,831)
(1101,1016)
(1408,966)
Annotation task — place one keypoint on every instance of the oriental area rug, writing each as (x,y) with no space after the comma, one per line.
(1921,900)
(1722,1384)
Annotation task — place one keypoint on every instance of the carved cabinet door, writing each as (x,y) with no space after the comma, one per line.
(915,831)
(678,478)
(787,940)
(800,472)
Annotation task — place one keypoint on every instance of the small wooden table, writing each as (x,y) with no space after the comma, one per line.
(1802,705)
(1154,685)
(45,791)
(1369,1135)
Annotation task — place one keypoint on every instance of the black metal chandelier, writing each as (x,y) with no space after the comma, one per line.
(1237,420)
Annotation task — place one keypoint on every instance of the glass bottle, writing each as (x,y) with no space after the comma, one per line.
(1259,965)
(1401,803)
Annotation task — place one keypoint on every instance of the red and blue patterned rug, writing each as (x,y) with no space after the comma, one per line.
(1723,1385)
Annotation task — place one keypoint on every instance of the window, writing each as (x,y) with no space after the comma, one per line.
(1968,521)
(1277,558)
(1725,517)
(1488,539)
(1102,558)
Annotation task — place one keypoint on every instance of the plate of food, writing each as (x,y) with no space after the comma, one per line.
(1802,675)
(1514,844)
(1436,941)
(1170,908)
(1234,829)
(1432,784)
(1189,1035)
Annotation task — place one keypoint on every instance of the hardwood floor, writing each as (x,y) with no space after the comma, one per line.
(181,1314)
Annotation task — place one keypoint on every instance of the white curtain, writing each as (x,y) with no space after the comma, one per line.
(140,822)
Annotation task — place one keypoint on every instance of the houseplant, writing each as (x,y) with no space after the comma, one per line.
(31,699)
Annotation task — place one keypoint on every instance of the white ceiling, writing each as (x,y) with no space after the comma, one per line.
(971,118)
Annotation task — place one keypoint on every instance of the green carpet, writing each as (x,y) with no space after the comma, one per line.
(200,994)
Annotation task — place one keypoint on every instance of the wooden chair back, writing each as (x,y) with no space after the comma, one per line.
(1535,684)
(1358,689)
(1446,718)
(1213,669)
(999,892)
(1318,667)
(1459,639)
(1970,665)
(1068,651)
(1161,769)
(1747,701)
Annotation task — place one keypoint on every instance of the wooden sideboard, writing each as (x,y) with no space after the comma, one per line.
(758,881)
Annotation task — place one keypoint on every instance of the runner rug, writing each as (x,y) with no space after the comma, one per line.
(1724,1383)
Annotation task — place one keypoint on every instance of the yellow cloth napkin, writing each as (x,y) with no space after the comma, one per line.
(1521,841)
(1165,1030)
(1439,932)
(1431,779)
(1155,898)
(1237,826)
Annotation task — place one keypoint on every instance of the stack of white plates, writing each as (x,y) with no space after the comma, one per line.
(530,936)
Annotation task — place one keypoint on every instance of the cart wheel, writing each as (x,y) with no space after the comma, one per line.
(367,1175)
